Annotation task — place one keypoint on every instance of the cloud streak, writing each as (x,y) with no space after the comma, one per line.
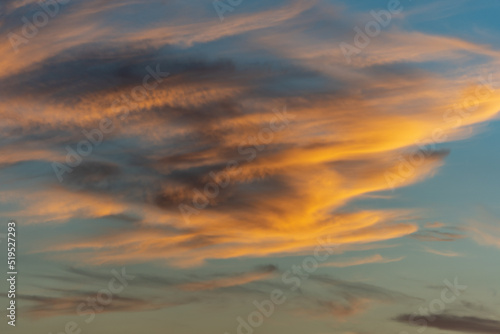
(376,258)
(463,324)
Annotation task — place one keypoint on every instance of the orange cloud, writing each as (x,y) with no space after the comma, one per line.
(347,127)
(228,281)
(377,258)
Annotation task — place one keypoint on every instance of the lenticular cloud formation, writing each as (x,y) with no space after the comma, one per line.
(151,124)
(195,138)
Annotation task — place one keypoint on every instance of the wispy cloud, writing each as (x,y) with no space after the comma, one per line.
(346,127)
(436,235)
(485,230)
(377,258)
(234,280)
(443,253)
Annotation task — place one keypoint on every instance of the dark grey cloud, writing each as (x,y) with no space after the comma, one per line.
(43,306)
(434,235)
(363,289)
(464,324)
(93,175)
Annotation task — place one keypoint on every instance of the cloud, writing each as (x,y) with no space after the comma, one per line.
(443,253)
(349,307)
(363,289)
(234,280)
(377,258)
(485,230)
(464,324)
(43,306)
(435,235)
(338,130)
(431,225)
(319,296)
(139,241)
(324,296)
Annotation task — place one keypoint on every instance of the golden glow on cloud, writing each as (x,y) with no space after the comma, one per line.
(349,126)
(377,258)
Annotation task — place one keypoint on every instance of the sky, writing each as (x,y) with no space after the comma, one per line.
(240,167)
